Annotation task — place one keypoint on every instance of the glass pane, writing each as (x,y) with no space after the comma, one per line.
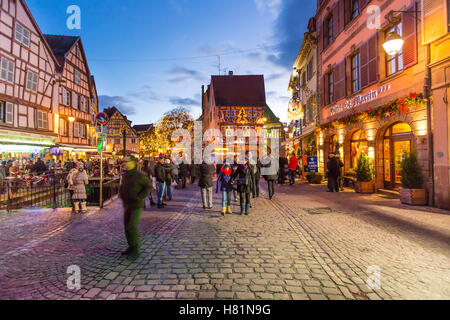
(358,148)
(401,127)
(387,160)
(400,150)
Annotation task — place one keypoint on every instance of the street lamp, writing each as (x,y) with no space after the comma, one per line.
(71,119)
(393,44)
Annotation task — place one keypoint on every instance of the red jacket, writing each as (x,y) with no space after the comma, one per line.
(293,163)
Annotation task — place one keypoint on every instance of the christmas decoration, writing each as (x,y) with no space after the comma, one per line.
(401,105)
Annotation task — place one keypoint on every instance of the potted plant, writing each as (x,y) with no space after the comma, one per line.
(364,176)
(412,191)
(314,178)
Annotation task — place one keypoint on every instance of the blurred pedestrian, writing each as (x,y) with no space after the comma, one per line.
(293,164)
(160,175)
(149,174)
(135,187)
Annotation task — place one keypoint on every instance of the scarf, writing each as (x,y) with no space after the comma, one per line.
(226,171)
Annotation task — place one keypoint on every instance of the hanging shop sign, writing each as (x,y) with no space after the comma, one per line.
(358,100)
(295,109)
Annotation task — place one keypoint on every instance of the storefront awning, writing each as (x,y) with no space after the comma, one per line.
(76,148)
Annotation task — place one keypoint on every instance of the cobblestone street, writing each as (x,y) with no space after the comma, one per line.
(305,244)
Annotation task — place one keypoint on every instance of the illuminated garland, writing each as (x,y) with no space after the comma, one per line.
(401,105)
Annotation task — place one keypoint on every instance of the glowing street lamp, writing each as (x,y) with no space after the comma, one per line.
(71,119)
(393,44)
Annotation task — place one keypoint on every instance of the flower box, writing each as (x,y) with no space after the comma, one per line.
(415,197)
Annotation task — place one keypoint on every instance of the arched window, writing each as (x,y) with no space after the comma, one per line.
(359,146)
(334,144)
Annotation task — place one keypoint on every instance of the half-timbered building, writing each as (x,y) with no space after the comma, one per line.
(28,86)
(76,109)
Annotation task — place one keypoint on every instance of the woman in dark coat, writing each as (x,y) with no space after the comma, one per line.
(244,178)
(226,186)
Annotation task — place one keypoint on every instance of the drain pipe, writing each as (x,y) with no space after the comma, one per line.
(427,97)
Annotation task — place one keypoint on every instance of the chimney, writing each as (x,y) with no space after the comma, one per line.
(230,73)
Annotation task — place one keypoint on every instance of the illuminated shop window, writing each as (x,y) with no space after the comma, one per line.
(359,146)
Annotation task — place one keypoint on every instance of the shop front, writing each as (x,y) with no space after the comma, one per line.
(22,147)
(385,134)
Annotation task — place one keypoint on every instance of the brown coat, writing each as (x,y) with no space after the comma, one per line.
(79,181)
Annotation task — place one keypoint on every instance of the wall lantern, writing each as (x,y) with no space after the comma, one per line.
(393,44)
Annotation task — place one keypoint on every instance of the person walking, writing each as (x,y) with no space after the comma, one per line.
(293,164)
(149,174)
(89,166)
(332,173)
(205,183)
(270,175)
(340,178)
(135,187)
(160,175)
(234,168)
(79,181)
(243,176)
(184,172)
(226,186)
(194,172)
(169,173)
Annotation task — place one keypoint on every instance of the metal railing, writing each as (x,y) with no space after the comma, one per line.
(50,191)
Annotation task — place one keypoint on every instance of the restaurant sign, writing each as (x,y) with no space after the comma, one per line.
(358,100)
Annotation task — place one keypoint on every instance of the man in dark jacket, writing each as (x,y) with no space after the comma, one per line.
(270,174)
(206,184)
(146,169)
(194,172)
(184,173)
(332,173)
(134,189)
(244,178)
(39,167)
(160,175)
(168,167)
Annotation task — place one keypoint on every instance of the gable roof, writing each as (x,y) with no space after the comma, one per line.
(142,127)
(233,90)
(270,116)
(61,46)
(33,21)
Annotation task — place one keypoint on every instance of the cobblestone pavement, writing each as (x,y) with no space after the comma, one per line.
(305,244)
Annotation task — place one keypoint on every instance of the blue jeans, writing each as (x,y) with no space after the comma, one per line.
(161,187)
(169,191)
(226,198)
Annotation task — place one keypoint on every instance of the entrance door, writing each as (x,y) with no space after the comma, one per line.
(397,143)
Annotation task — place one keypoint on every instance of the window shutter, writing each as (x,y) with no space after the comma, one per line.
(410,36)
(339,81)
(9,114)
(324,90)
(373,60)
(341,15)
(347,11)
(435,22)
(336,20)
(320,38)
(364,55)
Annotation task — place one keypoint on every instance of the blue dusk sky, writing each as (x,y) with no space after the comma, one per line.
(149,56)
